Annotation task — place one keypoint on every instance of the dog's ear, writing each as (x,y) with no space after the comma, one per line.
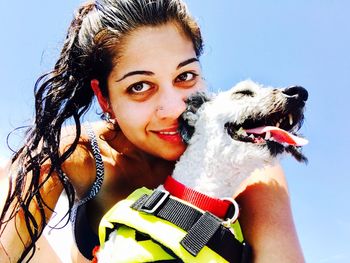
(189,117)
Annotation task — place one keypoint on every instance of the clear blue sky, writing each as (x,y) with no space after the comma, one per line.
(277,43)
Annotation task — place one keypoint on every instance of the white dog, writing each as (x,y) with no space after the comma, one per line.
(235,132)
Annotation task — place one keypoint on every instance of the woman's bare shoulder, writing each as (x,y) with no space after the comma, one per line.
(80,165)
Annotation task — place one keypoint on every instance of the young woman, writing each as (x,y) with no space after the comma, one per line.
(140,59)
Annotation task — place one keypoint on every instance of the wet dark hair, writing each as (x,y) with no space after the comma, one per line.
(89,52)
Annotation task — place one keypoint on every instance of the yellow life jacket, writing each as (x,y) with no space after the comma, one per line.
(144,229)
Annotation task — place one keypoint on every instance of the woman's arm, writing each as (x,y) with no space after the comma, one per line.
(266,217)
(45,252)
(79,168)
(14,235)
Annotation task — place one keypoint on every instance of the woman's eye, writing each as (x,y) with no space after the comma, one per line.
(186,76)
(139,87)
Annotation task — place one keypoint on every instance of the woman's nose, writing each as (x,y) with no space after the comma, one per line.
(171,105)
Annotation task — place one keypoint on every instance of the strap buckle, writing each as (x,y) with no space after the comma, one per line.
(154,201)
(229,221)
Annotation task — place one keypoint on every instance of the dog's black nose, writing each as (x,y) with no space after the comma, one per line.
(296,92)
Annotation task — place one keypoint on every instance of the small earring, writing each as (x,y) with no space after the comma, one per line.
(106,116)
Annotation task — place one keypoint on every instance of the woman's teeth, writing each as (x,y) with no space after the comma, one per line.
(169,133)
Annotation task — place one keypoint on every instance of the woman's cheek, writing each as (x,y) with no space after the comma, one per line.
(135,115)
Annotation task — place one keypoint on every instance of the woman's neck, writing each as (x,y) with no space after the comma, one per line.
(142,168)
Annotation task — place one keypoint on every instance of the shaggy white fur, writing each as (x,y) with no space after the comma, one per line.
(214,162)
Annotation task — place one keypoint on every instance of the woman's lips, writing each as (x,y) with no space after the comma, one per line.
(170,135)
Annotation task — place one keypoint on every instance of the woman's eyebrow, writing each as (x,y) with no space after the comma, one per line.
(186,62)
(136,72)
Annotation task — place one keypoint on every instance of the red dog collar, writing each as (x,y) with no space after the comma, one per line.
(213,205)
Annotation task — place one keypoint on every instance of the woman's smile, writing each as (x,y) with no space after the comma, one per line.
(170,135)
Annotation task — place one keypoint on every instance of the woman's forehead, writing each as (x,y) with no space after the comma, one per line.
(153,45)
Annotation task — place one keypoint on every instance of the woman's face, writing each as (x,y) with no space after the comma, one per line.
(156,71)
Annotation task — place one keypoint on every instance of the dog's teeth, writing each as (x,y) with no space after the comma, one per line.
(278,124)
(267,135)
(252,136)
(241,131)
(290,116)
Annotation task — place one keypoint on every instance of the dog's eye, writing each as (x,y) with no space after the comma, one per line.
(245,92)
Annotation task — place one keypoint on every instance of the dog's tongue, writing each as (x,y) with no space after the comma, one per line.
(279,135)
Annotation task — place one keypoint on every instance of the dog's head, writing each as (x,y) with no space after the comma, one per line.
(263,117)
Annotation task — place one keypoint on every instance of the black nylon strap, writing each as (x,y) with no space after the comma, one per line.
(179,214)
(203,229)
(200,234)
(171,210)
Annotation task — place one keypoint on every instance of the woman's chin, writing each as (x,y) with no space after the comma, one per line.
(174,154)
